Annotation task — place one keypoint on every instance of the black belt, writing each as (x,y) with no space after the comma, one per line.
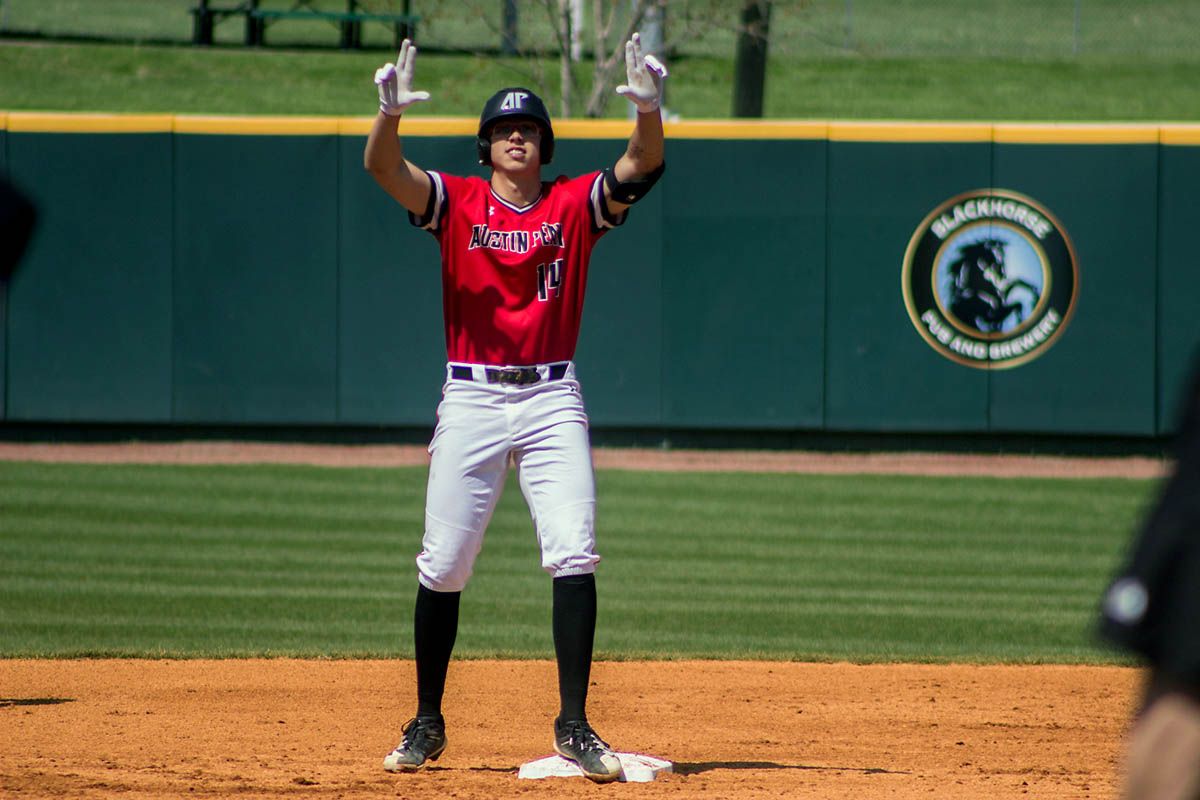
(510,376)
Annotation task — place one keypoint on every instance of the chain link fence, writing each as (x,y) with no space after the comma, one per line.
(971,29)
(1020,29)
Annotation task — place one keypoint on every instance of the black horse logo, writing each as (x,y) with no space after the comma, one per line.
(980,289)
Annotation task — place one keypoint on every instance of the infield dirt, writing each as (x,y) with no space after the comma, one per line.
(736,730)
(285,728)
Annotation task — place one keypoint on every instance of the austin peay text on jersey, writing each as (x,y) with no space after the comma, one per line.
(549,235)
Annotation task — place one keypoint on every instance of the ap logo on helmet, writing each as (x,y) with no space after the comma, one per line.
(513,101)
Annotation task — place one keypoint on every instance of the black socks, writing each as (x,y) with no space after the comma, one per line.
(574,629)
(435,625)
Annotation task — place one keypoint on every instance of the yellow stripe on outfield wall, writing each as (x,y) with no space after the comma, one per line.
(592,128)
(846,131)
(1075,133)
(1179,134)
(910,132)
(47,122)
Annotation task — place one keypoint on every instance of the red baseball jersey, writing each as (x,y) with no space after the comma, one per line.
(513,279)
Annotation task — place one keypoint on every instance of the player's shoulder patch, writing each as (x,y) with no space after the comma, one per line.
(602,218)
(431,218)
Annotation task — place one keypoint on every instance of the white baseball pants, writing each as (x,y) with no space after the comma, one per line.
(543,428)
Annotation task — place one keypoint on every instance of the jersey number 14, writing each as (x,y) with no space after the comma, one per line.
(549,279)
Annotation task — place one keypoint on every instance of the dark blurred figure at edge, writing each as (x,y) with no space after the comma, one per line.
(1152,609)
(17,218)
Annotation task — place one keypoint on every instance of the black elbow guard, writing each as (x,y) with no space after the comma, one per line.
(629,192)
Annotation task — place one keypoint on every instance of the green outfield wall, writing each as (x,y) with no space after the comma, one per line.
(3,296)
(247,271)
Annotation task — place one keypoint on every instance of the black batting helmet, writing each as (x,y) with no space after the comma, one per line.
(514,101)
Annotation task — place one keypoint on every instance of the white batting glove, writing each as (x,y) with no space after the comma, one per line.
(395,82)
(643,77)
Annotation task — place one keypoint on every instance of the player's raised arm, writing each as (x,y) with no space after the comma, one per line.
(642,164)
(384,156)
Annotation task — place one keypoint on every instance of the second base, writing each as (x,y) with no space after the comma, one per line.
(635,768)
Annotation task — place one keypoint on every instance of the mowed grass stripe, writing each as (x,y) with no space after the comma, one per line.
(270,531)
(167,623)
(175,589)
(928,503)
(927,557)
(306,515)
(769,555)
(879,549)
(277,552)
(244,495)
(931,602)
(231,571)
(916,529)
(288,560)
(869,633)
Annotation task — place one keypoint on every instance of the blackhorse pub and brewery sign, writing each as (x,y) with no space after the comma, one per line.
(990,279)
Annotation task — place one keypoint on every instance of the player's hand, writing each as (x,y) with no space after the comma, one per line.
(643,77)
(395,82)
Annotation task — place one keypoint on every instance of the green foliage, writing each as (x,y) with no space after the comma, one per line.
(283,560)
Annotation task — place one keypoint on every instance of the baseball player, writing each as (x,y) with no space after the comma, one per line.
(515,251)
(1152,608)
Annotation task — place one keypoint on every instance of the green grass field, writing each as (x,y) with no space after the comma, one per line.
(286,560)
(111,78)
(1021,60)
